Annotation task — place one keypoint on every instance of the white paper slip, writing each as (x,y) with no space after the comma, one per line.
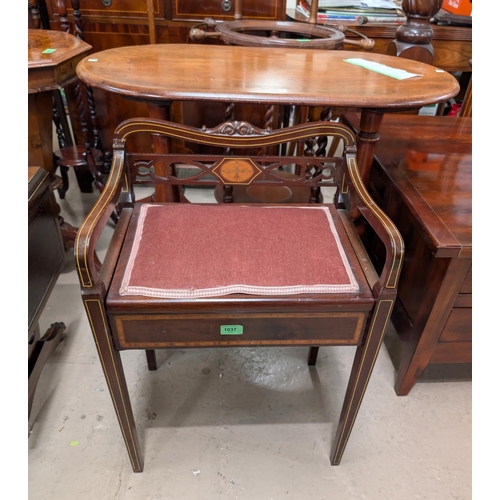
(399,74)
(361,4)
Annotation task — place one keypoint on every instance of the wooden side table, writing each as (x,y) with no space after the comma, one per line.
(52,60)
(45,257)
(422,179)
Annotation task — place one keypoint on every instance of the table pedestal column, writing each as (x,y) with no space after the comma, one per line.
(164,193)
(371,121)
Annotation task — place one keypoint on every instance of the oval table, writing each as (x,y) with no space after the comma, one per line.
(165,73)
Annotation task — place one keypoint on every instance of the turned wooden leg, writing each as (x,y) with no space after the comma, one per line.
(163,192)
(62,190)
(299,116)
(364,360)
(368,135)
(151,357)
(85,179)
(68,233)
(312,355)
(115,378)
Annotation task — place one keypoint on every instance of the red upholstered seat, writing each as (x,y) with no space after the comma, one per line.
(190,251)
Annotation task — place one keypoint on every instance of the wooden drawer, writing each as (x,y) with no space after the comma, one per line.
(196,11)
(204,330)
(113,8)
(458,327)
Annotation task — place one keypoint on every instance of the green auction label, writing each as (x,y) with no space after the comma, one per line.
(231,329)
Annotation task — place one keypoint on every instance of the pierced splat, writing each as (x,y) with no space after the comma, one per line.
(308,171)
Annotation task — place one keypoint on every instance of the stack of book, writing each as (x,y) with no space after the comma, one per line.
(355,11)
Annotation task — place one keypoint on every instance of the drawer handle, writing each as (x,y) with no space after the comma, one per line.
(107,3)
(226,5)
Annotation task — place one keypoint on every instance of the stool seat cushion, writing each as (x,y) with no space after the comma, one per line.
(188,251)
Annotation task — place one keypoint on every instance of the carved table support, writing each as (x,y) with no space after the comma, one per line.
(371,121)
(164,192)
(413,38)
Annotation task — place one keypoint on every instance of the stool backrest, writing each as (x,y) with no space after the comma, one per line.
(315,166)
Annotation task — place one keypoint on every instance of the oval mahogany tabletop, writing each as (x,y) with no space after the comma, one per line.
(183,72)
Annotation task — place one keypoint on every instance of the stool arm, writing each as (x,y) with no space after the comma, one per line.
(383,226)
(88,267)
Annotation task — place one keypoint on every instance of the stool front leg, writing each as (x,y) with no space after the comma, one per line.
(364,360)
(115,378)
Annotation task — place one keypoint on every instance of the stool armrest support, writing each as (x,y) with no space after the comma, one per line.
(88,267)
(383,227)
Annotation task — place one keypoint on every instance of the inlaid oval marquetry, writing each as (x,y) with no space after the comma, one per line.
(237,170)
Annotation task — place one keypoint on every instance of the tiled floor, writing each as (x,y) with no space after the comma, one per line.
(246,424)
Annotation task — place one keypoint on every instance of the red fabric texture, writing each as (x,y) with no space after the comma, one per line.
(185,250)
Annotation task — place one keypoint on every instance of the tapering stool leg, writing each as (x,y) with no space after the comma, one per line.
(312,355)
(151,358)
(364,360)
(115,378)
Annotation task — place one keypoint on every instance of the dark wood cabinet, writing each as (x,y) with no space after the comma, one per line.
(45,258)
(45,244)
(224,9)
(422,178)
(118,23)
(107,9)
